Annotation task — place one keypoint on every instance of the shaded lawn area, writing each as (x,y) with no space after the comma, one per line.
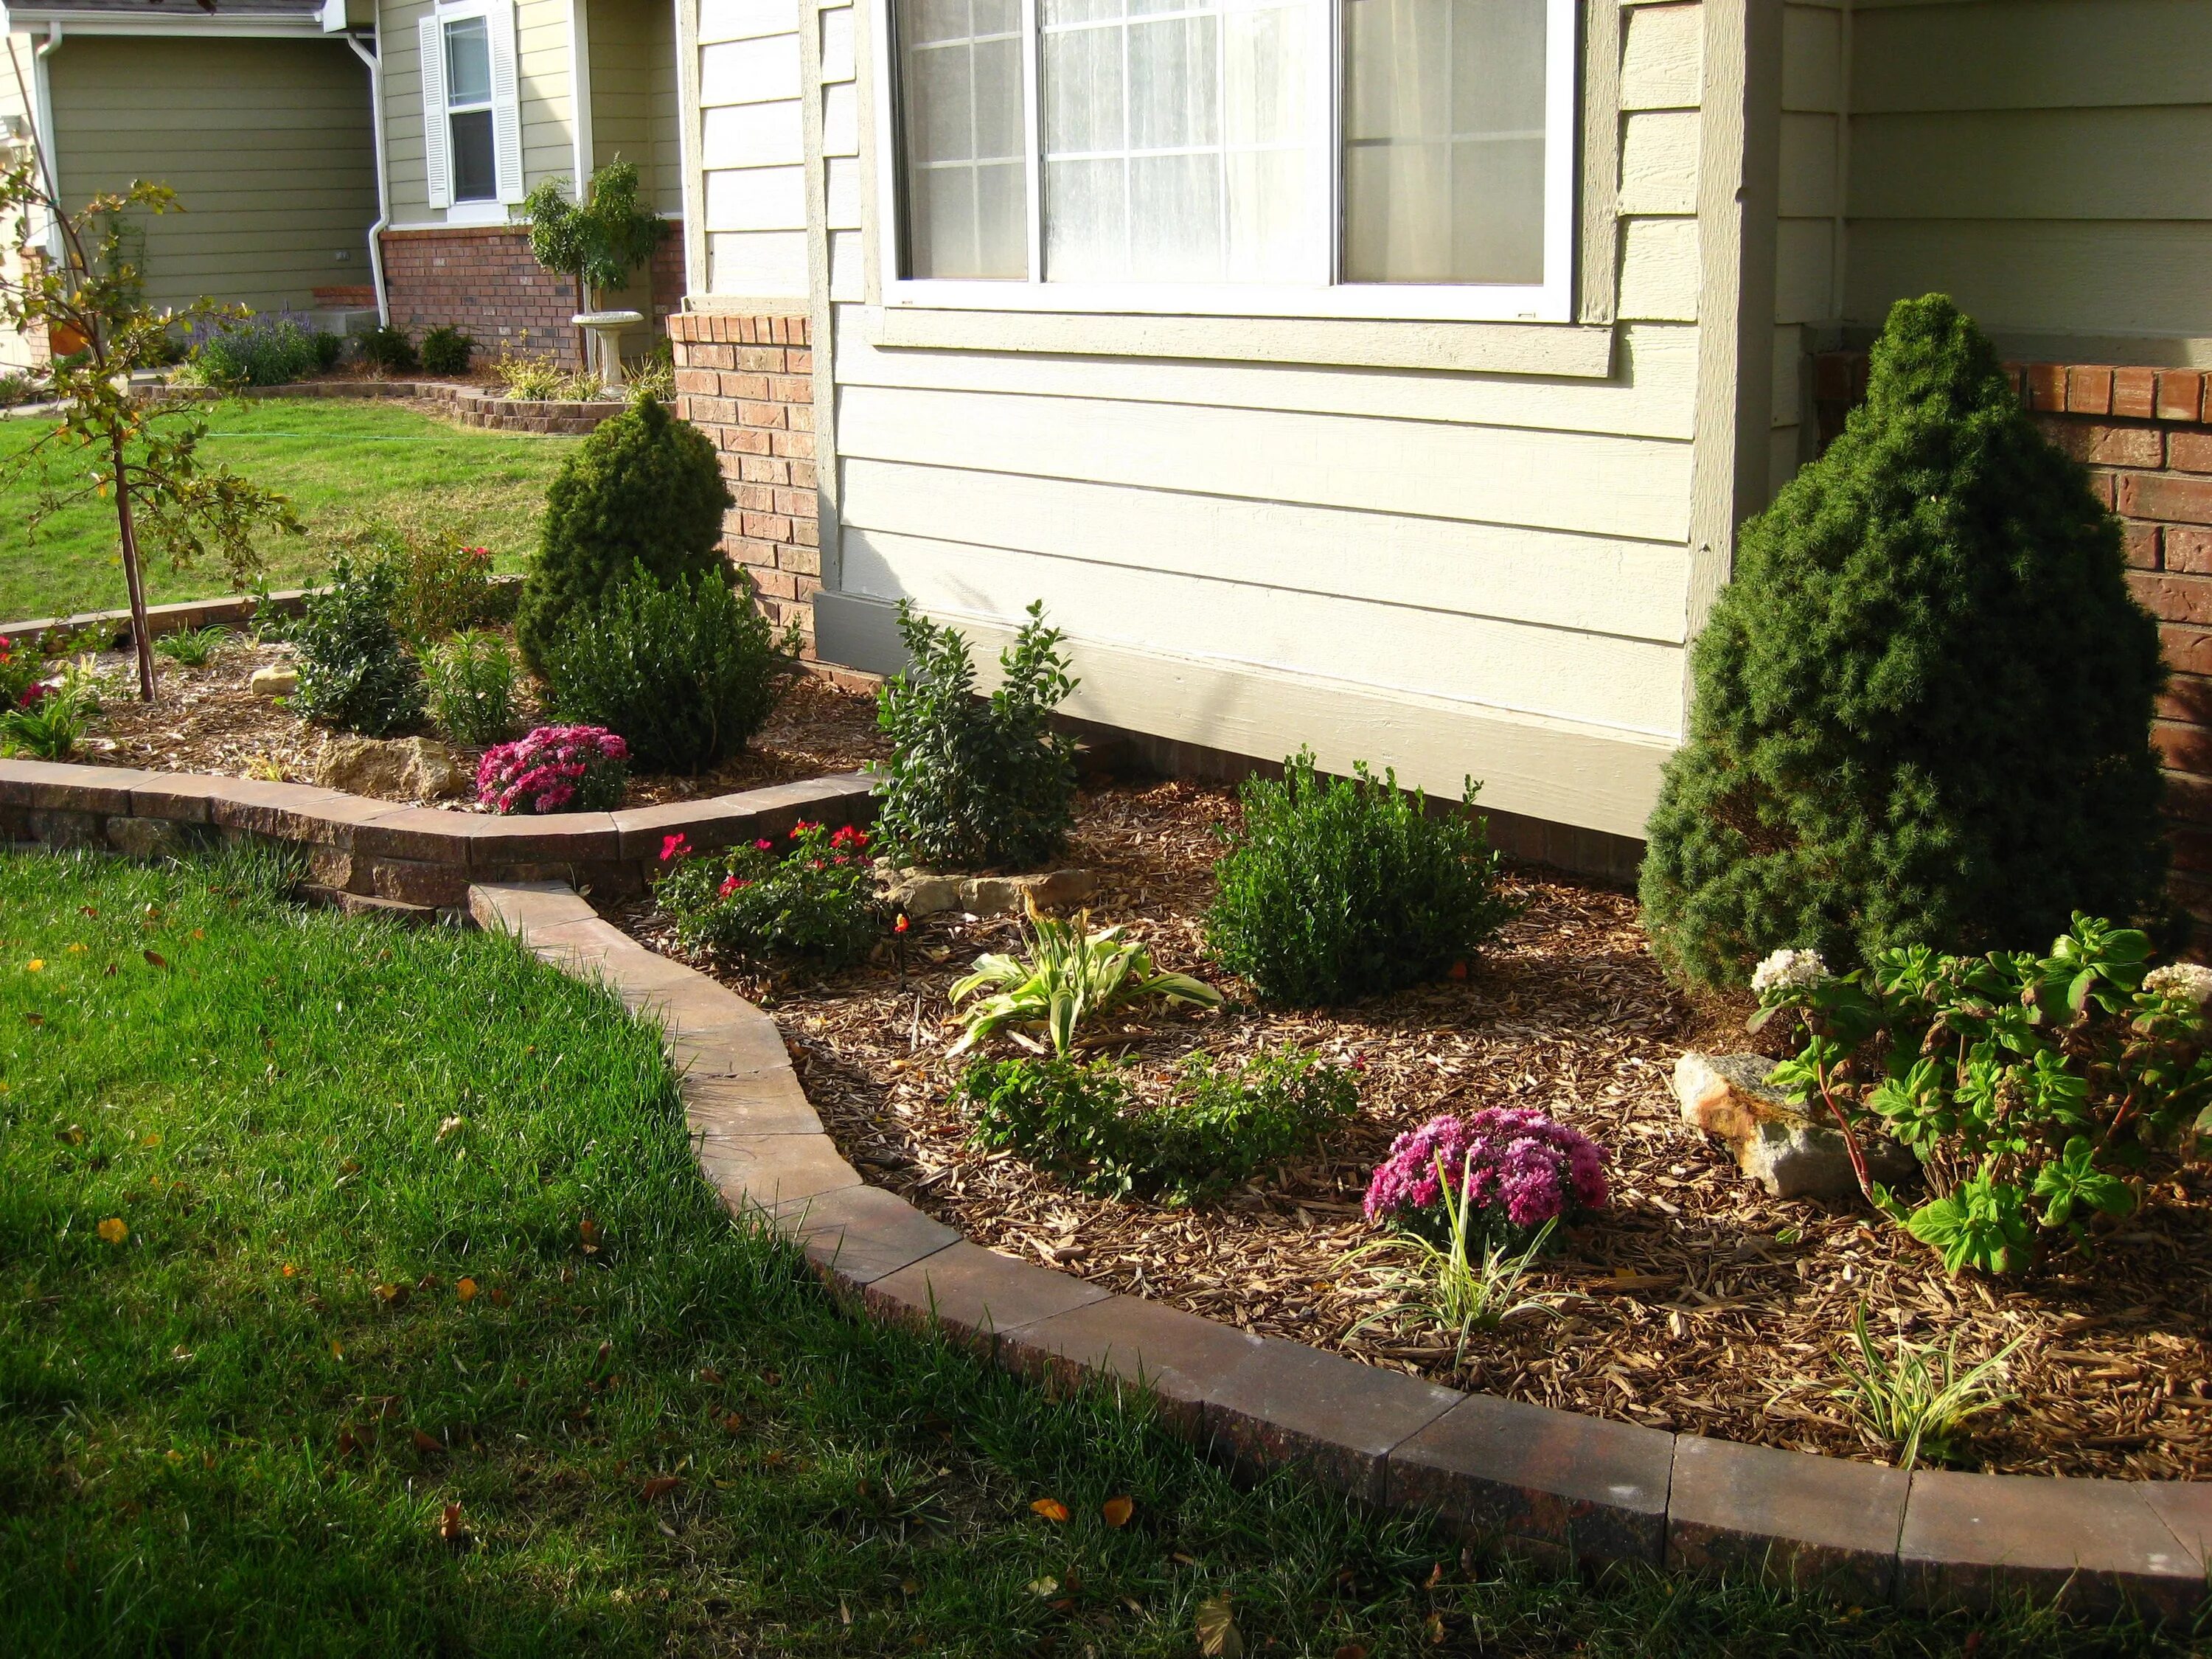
(311,1228)
(341,462)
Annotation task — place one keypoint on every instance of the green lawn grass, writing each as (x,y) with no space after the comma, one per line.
(231,1422)
(341,462)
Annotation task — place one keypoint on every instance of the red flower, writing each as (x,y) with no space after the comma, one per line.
(674,846)
(764,844)
(849,837)
(730,884)
(900,926)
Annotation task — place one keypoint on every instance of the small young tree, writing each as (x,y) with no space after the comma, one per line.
(1922,706)
(140,452)
(599,240)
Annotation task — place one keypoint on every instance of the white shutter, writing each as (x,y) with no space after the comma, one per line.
(431,35)
(506,103)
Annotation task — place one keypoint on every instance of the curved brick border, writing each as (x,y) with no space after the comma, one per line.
(1526,1477)
(1531,1478)
(380,854)
(472,405)
(225,610)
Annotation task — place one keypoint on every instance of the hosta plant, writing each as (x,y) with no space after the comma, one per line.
(1068,976)
(556,768)
(1518,1169)
(812,895)
(2030,1087)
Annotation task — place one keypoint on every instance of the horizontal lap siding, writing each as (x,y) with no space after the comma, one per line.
(1808,203)
(2041,161)
(267,144)
(752,151)
(549,145)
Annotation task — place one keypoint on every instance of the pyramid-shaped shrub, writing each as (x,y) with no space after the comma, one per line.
(1922,706)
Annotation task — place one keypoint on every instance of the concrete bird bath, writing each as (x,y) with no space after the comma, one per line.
(605,329)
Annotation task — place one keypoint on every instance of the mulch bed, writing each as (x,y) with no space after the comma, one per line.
(209,721)
(1697,1303)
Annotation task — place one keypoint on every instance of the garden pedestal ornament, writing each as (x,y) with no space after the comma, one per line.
(605,329)
(1776,1143)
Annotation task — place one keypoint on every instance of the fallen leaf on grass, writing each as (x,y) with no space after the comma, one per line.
(449,1124)
(1216,1631)
(114,1229)
(1117,1511)
(393,1295)
(708,1374)
(1350,1650)
(465,1289)
(427,1443)
(588,1230)
(733,1424)
(1051,1508)
(156,959)
(451,1529)
(499,1298)
(1046,1585)
(659,1488)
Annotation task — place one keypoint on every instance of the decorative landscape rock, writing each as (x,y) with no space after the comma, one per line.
(918,893)
(273,681)
(390,768)
(1777,1145)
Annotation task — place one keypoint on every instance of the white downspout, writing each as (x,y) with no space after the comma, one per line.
(579,90)
(43,116)
(375,62)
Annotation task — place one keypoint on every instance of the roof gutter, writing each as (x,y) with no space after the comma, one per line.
(374,59)
(244,28)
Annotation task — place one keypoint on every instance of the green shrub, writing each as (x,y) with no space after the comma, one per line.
(813,896)
(388,348)
(1335,888)
(447,350)
(975,784)
(2029,1087)
(644,489)
(17,388)
(1922,706)
(355,671)
(1215,1128)
(329,349)
(470,679)
(261,351)
(438,585)
(686,672)
(46,722)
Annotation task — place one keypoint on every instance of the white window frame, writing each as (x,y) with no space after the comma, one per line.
(505,115)
(1326,293)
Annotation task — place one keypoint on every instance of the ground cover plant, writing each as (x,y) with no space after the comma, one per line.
(976,783)
(260,351)
(314,1228)
(1922,706)
(343,465)
(812,895)
(1335,888)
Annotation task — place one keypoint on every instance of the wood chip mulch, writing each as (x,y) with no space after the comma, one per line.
(1696,1304)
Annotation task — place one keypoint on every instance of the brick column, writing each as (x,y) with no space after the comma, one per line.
(747,382)
(2146,436)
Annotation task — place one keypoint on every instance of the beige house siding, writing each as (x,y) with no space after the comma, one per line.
(16,351)
(752,209)
(1451,573)
(266,143)
(549,142)
(2043,162)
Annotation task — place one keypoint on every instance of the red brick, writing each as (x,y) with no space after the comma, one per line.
(761,359)
(800,560)
(2191,848)
(2187,650)
(756,498)
(2175,598)
(774,527)
(742,388)
(765,416)
(2046,387)
(799,361)
(793,503)
(2135,392)
(2139,545)
(2169,501)
(2102,444)
(2187,697)
(2184,748)
(796,446)
(2189,452)
(2088,390)
(789,389)
(2103,485)
(2180,395)
(2189,551)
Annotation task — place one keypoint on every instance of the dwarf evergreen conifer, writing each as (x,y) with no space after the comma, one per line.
(1922,706)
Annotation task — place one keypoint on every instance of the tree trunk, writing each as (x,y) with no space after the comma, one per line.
(142,635)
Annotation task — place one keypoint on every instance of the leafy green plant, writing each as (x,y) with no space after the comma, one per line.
(46,723)
(976,783)
(355,671)
(686,672)
(813,896)
(1068,976)
(447,350)
(193,647)
(655,377)
(260,351)
(329,347)
(1212,1132)
(438,584)
(388,348)
(1334,889)
(470,681)
(644,489)
(1923,709)
(2028,1086)
(1919,1401)
(599,240)
(18,388)
(1465,1284)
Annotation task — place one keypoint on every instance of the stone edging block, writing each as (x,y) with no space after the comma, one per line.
(1549,1482)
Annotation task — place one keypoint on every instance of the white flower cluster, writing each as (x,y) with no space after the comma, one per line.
(2181,979)
(1789,970)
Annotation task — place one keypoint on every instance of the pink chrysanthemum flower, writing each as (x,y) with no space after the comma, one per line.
(1521,1164)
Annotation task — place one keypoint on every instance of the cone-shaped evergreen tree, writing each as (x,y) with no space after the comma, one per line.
(1922,706)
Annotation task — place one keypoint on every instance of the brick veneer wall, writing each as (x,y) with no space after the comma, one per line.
(2146,436)
(483,280)
(747,381)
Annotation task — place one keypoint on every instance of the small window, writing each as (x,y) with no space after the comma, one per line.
(468,109)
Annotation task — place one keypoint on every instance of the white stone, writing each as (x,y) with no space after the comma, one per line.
(273,681)
(1776,1143)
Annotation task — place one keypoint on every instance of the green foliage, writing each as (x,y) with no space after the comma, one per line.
(260,351)
(975,784)
(1918,1401)
(18,388)
(644,488)
(813,896)
(2027,1086)
(438,585)
(46,726)
(541,379)
(388,348)
(329,349)
(686,672)
(447,350)
(1922,706)
(355,671)
(1334,889)
(193,647)
(1468,1282)
(1068,977)
(470,681)
(1212,1132)
(599,240)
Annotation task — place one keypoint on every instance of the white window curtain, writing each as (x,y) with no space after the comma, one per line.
(471,106)
(966,148)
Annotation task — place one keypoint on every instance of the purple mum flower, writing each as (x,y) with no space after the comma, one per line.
(1523,1164)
